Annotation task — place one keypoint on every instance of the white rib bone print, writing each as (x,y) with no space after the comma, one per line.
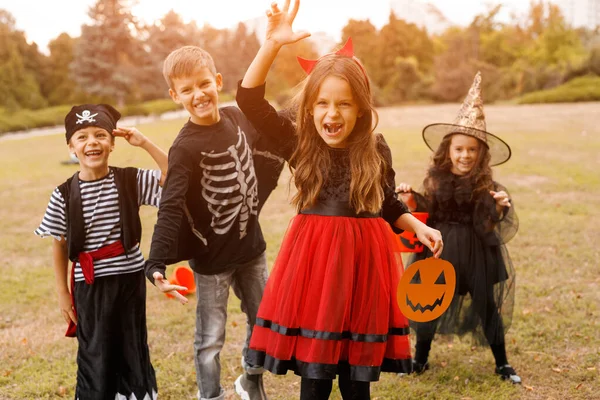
(229,186)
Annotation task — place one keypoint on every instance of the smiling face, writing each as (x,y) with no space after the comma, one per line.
(92,146)
(464,153)
(335,111)
(199,95)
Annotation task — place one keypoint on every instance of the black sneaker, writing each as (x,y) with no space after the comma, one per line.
(419,368)
(508,373)
(250,387)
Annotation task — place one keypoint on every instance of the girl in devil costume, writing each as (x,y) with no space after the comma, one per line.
(476,218)
(329,307)
(94,219)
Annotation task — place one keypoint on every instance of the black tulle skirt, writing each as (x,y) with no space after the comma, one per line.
(485,281)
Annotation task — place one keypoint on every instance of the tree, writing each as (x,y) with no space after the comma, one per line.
(286,73)
(164,36)
(19,84)
(58,87)
(365,37)
(107,56)
(242,48)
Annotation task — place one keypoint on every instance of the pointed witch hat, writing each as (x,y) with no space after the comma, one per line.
(471,122)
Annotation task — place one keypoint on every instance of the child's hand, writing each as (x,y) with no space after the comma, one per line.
(404,190)
(132,135)
(279,26)
(431,238)
(501,197)
(66,307)
(166,287)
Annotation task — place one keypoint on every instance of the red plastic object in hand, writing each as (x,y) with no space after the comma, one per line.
(183,276)
(408,240)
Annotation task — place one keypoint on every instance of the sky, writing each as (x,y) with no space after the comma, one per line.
(51,18)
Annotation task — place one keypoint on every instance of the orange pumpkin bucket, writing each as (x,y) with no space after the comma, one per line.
(408,240)
(183,276)
(426,289)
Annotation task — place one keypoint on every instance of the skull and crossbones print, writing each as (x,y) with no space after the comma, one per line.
(86,116)
(229,186)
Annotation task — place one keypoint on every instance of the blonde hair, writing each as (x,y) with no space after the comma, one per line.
(184,61)
(311,158)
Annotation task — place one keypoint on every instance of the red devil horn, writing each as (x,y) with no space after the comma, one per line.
(347,50)
(307,65)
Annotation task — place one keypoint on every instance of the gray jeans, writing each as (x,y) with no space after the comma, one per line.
(212,292)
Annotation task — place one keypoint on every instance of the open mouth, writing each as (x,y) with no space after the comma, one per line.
(332,129)
(202,105)
(93,153)
(427,307)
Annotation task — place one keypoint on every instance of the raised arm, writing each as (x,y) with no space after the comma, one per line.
(136,138)
(279,33)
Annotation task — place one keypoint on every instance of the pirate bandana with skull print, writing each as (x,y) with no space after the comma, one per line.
(101,115)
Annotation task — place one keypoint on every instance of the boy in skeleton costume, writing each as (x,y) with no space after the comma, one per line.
(209,213)
(94,217)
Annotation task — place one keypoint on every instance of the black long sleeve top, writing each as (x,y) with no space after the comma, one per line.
(280,128)
(209,200)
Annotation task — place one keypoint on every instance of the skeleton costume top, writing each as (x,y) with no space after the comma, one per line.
(212,190)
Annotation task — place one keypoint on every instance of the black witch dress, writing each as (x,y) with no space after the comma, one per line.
(475,238)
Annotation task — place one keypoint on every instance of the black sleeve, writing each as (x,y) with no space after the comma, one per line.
(392,207)
(507,224)
(170,211)
(422,203)
(278,127)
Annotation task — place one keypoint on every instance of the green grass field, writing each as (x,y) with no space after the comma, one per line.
(554,342)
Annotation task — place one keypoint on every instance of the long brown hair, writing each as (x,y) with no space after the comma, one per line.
(480,176)
(311,161)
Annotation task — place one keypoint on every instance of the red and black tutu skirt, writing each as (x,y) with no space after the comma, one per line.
(330,302)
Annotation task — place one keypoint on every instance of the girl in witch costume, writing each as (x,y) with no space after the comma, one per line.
(476,218)
(329,307)
(94,219)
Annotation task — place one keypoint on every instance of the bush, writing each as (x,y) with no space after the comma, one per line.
(55,116)
(30,119)
(52,116)
(586,88)
(153,107)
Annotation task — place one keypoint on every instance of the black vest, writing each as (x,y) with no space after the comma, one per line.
(131,226)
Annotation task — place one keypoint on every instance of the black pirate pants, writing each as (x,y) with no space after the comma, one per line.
(113,355)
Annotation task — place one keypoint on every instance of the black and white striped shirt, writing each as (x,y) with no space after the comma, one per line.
(102,220)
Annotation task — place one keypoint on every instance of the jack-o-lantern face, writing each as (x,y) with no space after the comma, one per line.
(410,243)
(408,240)
(426,289)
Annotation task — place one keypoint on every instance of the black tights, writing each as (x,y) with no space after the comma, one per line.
(492,327)
(320,389)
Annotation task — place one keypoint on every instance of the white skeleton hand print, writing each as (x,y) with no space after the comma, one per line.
(229,186)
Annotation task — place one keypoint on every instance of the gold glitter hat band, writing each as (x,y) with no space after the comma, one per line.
(469,121)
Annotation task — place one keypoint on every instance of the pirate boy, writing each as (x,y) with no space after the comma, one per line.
(94,218)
